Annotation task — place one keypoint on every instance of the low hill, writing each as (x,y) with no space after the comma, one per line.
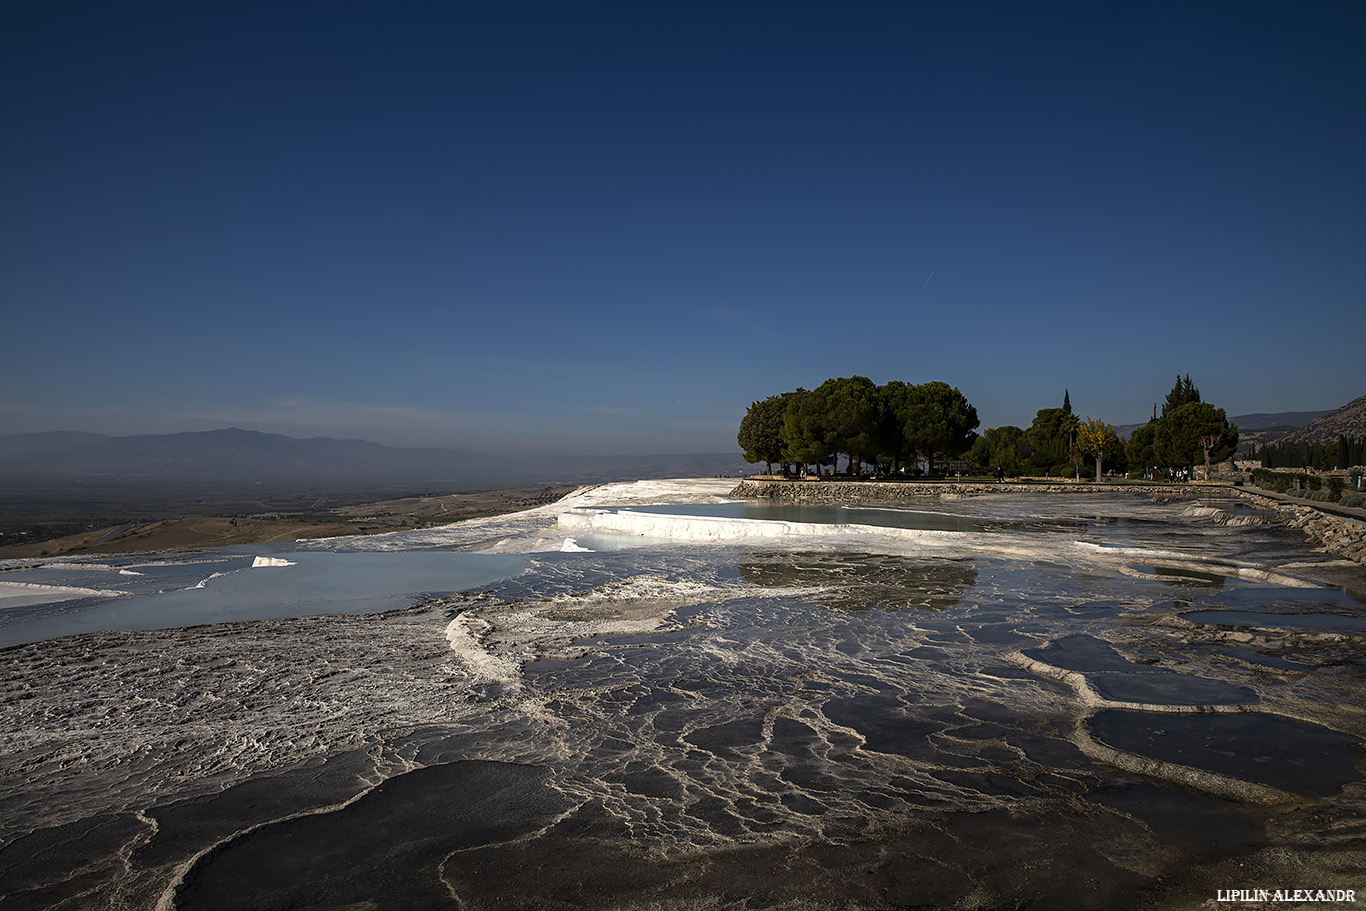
(1259,427)
(1283,420)
(1348,421)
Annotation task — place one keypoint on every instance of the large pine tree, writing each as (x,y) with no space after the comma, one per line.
(1183,393)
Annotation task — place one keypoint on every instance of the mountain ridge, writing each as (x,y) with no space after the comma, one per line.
(1256,426)
(1348,421)
(236,458)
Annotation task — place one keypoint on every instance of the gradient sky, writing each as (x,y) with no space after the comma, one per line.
(609,227)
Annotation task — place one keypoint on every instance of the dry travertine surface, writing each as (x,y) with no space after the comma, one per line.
(225,531)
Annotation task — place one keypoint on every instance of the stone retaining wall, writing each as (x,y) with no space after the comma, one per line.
(1340,536)
(882,492)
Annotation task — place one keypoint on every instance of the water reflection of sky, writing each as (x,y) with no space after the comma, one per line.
(188,594)
(1116,519)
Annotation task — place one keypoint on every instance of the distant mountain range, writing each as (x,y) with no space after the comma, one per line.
(246,459)
(236,460)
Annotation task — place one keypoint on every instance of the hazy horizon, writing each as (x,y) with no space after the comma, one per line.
(474,451)
(727,451)
(607,228)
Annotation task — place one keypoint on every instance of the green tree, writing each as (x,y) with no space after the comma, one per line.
(999,447)
(1183,393)
(1050,438)
(893,450)
(1141,450)
(1097,439)
(936,419)
(806,430)
(853,411)
(1198,429)
(761,430)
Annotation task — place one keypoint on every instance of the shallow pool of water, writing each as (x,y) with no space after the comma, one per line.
(1264,620)
(233,589)
(1267,749)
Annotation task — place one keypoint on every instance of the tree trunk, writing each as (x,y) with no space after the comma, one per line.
(1098,469)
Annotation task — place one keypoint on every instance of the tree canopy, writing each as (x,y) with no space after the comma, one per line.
(901,425)
(853,415)
(1183,393)
(1098,440)
(1051,437)
(761,430)
(1189,431)
(1000,447)
(887,426)
(1198,431)
(935,418)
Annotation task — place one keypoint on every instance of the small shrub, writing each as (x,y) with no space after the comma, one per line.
(1279,481)
(1136,476)
(1066,471)
(1355,500)
(1335,486)
(1314,482)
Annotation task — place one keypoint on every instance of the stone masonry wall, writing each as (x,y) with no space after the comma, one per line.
(1341,536)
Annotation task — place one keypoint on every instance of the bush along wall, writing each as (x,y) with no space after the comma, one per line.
(1310,487)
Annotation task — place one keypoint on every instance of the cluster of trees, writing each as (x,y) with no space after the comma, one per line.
(895,426)
(1056,443)
(1189,431)
(890,427)
(1344,453)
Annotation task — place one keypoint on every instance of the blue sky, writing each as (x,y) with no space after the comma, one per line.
(609,227)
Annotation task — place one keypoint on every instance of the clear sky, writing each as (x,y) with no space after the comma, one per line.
(609,227)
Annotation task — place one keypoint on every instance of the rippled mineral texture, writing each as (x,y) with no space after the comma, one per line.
(1119,705)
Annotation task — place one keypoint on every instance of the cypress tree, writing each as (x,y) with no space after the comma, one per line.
(1183,393)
